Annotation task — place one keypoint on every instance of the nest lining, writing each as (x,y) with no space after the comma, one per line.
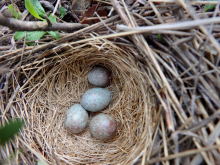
(55,88)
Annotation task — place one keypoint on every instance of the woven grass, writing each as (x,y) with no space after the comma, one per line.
(165,82)
(48,94)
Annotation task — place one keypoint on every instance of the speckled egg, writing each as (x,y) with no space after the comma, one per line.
(76,118)
(103,127)
(99,76)
(96,99)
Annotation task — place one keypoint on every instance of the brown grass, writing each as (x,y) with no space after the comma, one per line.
(166,92)
(54,88)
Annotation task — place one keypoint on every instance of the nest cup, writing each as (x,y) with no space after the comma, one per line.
(56,80)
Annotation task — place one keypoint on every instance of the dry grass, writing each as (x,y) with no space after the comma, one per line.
(59,81)
(166,92)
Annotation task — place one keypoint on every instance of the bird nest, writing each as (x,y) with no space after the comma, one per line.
(56,80)
(165,86)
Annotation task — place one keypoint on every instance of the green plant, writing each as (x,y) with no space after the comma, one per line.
(8,132)
(159,37)
(209,6)
(35,8)
(15,12)
(62,11)
(10,129)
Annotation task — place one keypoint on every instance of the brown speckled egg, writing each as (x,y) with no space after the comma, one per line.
(103,127)
(76,118)
(96,99)
(99,76)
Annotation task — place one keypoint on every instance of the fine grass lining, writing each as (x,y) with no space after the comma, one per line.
(55,88)
(180,68)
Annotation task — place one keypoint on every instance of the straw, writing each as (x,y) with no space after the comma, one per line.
(164,58)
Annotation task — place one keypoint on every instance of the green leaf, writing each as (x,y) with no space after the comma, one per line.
(159,37)
(209,6)
(37,6)
(19,34)
(35,35)
(10,129)
(62,11)
(31,36)
(55,34)
(15,13)
(30,7)
(52,18)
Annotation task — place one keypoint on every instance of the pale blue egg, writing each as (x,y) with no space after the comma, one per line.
(76,118)
(96,99)
(99,76)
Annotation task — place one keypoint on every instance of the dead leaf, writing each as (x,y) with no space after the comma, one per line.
(88,16)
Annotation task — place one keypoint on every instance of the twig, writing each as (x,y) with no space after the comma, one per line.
(168,114)
(155,135)
(48,20)
(196,80)
(110,28)
(110,13)
(55,9)
(63,39)
(11,101)
(164,139)
(166,108)
(190,10)
(18,25)
(5,47)
(156,12)
(48,6)
(192,2)
(170,26)
(74,16)
(120,12)
(22,53)
(182,154)
(145,20)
